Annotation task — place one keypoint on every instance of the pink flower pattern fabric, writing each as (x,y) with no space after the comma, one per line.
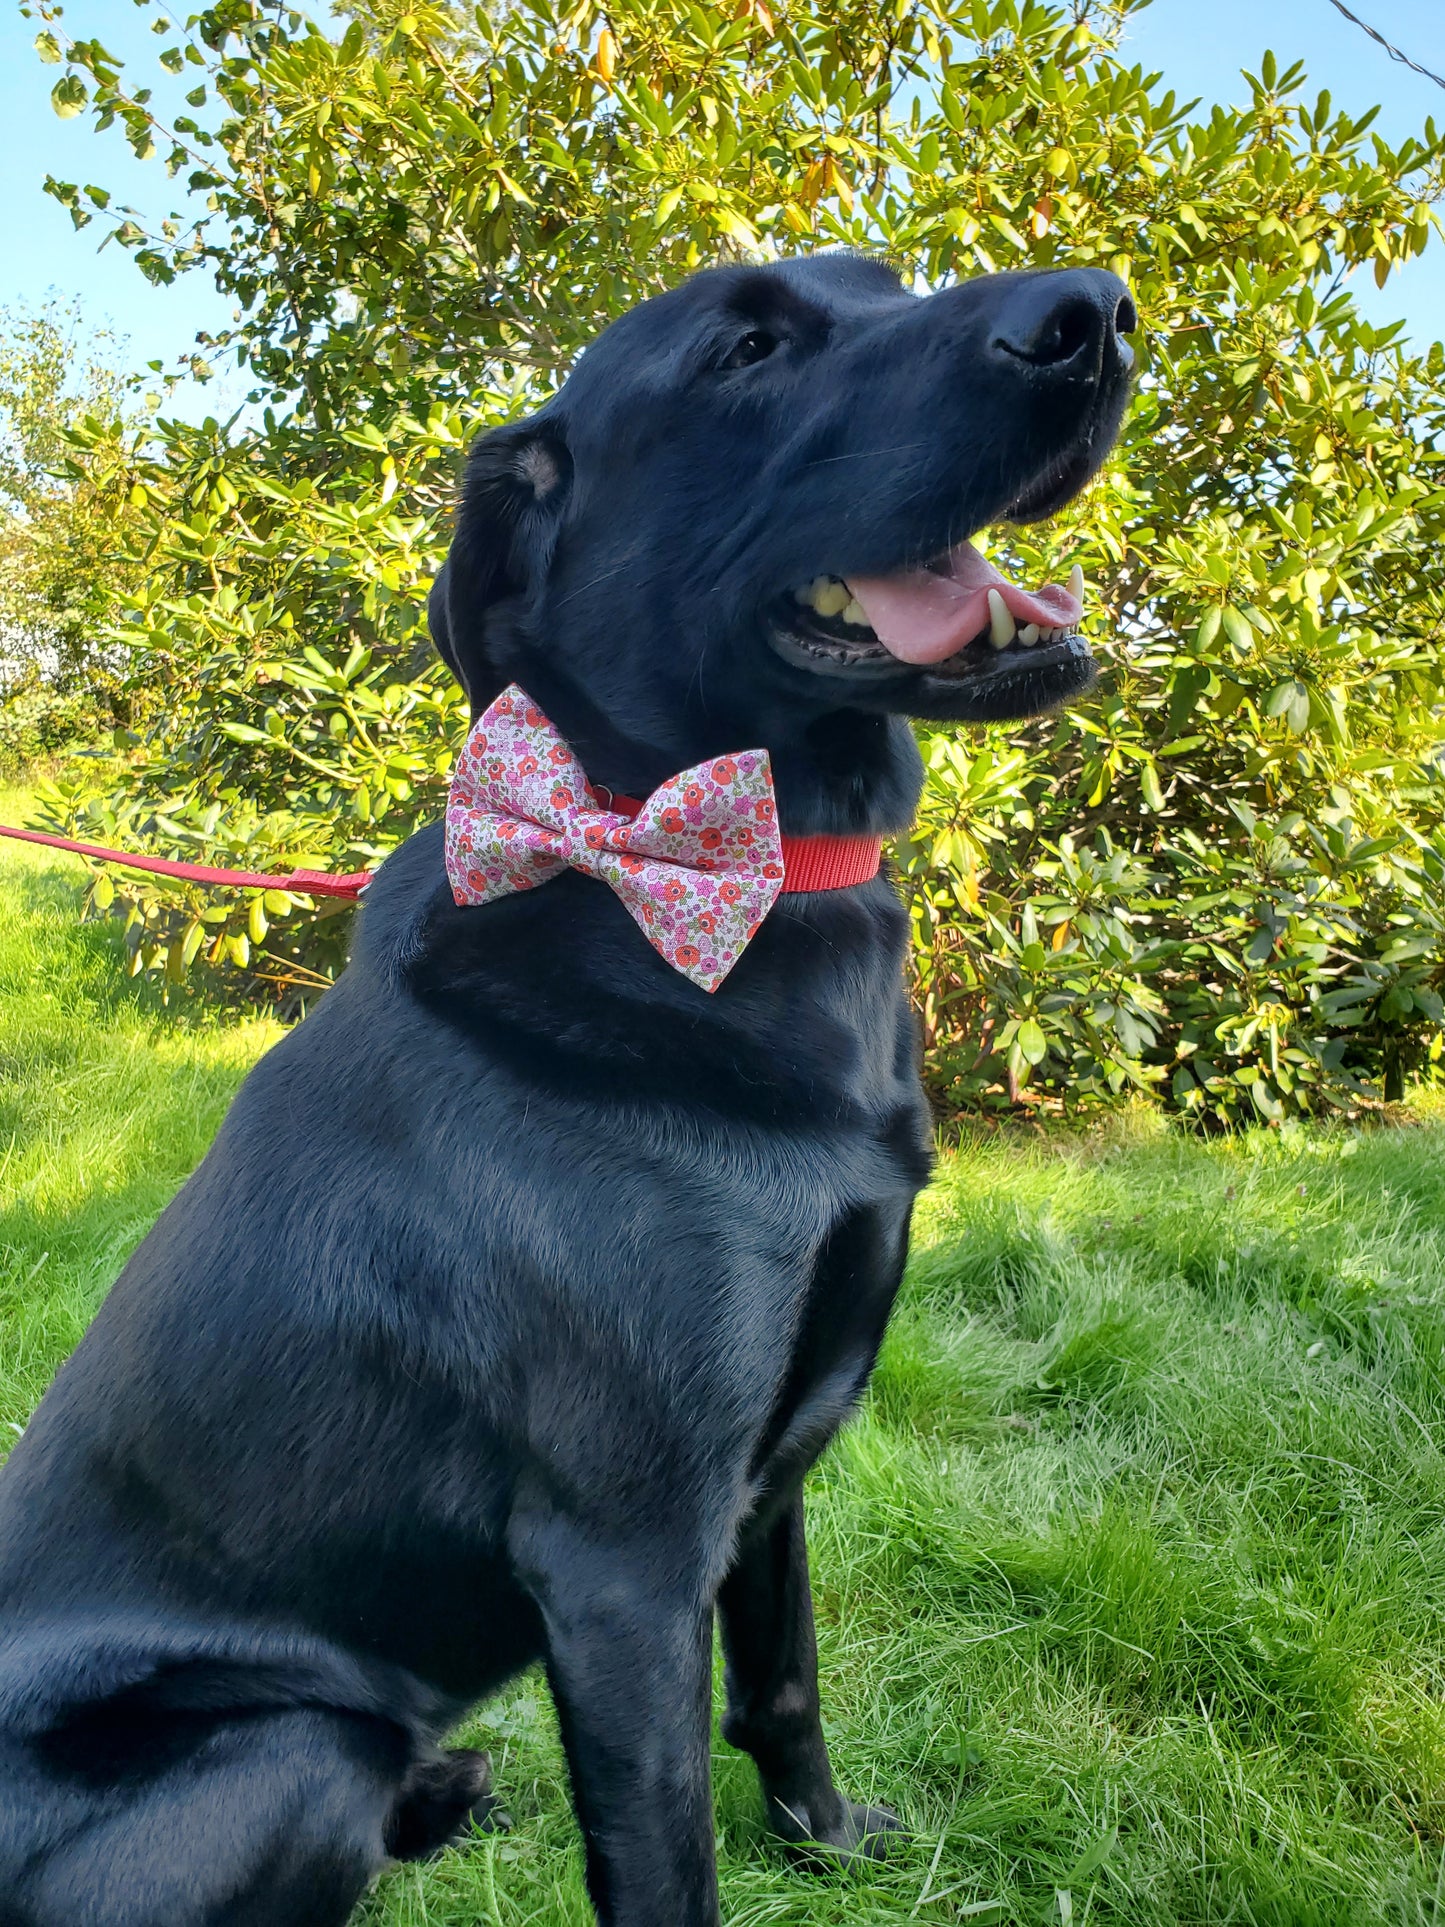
(698,867)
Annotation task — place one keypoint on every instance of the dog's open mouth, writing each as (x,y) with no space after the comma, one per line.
(958,617)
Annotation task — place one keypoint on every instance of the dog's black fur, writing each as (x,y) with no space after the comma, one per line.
(525,1280)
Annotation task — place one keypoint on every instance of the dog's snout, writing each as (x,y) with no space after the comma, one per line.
(1067,326)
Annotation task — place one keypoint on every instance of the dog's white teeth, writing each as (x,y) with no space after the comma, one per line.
(1030,634)
(1001,625)
(830,596)
(1076,582)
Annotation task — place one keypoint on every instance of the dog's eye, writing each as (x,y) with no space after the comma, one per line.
(756,345)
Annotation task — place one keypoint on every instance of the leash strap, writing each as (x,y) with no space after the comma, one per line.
(313,883)
(809,863)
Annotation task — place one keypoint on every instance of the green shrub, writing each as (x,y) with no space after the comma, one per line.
(37,721)
(1220,878)
(63,549)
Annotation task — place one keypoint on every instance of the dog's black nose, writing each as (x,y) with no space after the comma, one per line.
(1065,327)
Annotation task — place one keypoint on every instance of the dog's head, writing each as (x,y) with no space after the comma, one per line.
(747,511)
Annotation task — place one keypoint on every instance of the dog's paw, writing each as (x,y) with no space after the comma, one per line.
(850,1833)
(442,1800)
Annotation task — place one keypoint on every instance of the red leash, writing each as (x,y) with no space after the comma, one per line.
(313,883)
(809,863)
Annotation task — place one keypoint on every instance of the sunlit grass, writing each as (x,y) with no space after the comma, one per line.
(106,1103)
(1130,1577)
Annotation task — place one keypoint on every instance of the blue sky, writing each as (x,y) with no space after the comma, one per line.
(1199,46)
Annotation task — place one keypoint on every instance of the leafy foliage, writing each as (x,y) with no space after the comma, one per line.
(1222,878)
(62,538)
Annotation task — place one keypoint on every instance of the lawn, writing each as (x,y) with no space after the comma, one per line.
(1130,1576)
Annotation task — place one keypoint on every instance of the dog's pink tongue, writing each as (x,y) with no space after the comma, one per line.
(923,616)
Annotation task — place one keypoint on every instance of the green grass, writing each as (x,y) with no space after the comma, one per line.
(106,1102)
(1130,1577)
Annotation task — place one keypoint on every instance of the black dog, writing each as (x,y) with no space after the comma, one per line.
(525,1280)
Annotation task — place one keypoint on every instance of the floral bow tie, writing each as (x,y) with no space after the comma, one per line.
(699,866)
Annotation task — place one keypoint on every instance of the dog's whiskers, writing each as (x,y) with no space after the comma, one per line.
(864,454)
(606,575)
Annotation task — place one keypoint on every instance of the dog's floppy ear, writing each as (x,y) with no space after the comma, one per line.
(516,483)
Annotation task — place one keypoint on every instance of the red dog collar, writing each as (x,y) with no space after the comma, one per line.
(809,862)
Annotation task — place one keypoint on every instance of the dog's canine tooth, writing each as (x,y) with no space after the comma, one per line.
(853,612)
(1076,582)
(1030,634)
(1001,625)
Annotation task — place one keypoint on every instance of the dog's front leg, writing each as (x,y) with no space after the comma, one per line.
(629,1657)
(766,1607)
